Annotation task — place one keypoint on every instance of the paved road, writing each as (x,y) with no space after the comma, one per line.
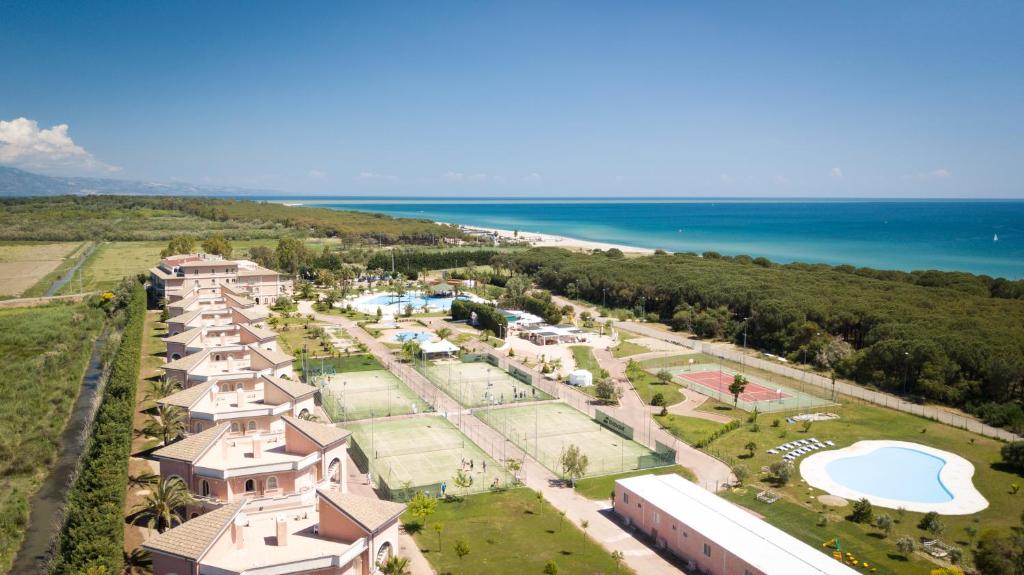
(601,525)
(847,388)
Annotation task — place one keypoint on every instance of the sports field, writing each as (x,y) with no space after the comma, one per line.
(361,394)
(544,430)
(419,453)
(713,380)
(479,384)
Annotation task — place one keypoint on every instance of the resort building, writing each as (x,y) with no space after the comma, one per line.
(254,406)
(334,534)
(197,339)
(553,334)
(229,365)
(712,535)
(203,273)
(272,470)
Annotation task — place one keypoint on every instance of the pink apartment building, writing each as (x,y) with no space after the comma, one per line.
(255,407)
(712,535)
(204,272)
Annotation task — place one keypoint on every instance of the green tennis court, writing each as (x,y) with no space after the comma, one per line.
(478,383)
(713,380)
(418,454)
(545,430)
(363,394)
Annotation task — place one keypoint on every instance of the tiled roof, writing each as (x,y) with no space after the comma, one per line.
(186,398)
(273,356)
(186,317)
(193,538)
(251,314)
(187,362)
(260,332)
(322,434)
(185,336)
(194,446)
(160,273)
(293,388)
(370,513)
(257,271)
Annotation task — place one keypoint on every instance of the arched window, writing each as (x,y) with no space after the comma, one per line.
(334,471)
(271,483)
(239,386)
(252,425)
(250,485)
(216,357)
(206,488)
(175,356)
(304,413)
(198,427)
(384,553)
(234,427)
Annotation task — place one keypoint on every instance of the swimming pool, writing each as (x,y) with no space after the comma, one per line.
(896,474)
(417,301)
(420,336)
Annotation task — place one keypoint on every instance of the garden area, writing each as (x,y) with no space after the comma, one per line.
(513,531)
(602,486)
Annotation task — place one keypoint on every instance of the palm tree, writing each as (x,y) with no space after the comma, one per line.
(168,423)
(395,565)
(161,388)
(444,333)
(161,508)
(138,562)
(143,479)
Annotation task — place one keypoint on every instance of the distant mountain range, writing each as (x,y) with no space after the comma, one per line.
(15,182)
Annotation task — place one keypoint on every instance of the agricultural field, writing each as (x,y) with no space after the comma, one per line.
(495,544)
(45,350)
(23,265)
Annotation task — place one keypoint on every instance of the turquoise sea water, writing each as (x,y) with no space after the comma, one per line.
(917,480)
(903,235)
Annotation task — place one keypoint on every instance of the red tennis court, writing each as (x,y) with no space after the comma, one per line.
(719,382)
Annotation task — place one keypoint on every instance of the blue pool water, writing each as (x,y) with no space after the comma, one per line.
(893,473)
(420,336)
(440,303)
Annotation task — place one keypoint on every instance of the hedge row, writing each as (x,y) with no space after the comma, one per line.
(413,262)
(487,316)
(93,533)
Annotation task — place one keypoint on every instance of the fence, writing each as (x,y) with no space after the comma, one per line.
(826,384)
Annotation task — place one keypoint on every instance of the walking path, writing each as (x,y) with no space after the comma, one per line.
(937,413)
(602,526)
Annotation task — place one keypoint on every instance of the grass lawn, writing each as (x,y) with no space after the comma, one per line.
(508,532)
(293,335)
(45,350)
(627,348)
(864,421)
(601,487)
(583,355)
(647,385)
(688,429)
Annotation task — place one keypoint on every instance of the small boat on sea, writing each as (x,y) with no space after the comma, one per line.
(995,237)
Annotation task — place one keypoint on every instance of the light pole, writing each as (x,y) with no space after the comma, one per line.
(604,297)
(906,370)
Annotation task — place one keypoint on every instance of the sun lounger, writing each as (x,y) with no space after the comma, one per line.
(772,451)
(830,443)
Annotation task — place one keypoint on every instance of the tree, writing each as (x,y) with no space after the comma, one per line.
(664,376)
(605,390)
(291,255)
(751,447)
(161,509)
(183,244)
(931,523)
(422,506)
(439,528)
(863,512)
(741,473)
(461,548)
(1013,455)
(657,399)
(217,244)
(515,287)
(395,565)
(739,383)
(905,545)
(617,557)
(574,464)
(138,562)
(551,568)
(885,524)
(305,289)
(410,350)
(1000,554)
(161,388)
(463,480)
(167,424)
(444,333)
(782,471)
(584,524)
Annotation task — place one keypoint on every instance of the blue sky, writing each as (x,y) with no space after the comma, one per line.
(893,99)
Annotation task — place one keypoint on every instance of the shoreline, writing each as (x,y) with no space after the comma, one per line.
(541,240)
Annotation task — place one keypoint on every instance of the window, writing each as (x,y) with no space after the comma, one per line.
(234,427)
(239,386)
(216,357)
(707,550)
(175,356)
(251,426)
(250,486)
(206,488)
(272,483)
(657,518)
(625,498)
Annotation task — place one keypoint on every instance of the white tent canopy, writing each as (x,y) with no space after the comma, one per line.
(438,347)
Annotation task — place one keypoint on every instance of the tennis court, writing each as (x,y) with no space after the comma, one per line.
(545,430)
(478,383)
(418,454)
(372,393)
(713,380)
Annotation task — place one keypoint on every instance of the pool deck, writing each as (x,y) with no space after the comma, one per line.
(955,475)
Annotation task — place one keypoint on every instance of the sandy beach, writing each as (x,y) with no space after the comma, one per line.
(550,240)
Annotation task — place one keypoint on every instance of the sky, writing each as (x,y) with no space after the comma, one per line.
(766,99)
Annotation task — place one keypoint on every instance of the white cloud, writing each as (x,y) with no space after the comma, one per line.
(533,177)
(315,174)
(373,177)
(454,176)
(936,174)
(836,173)
(23,144)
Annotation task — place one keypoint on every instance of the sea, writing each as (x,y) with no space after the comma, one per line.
(982,237)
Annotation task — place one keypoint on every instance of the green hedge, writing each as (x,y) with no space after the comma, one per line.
(487,316)
(93,533)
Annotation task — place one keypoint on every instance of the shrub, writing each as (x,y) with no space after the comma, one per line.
(863,512)
(1013,455)
(658,399)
